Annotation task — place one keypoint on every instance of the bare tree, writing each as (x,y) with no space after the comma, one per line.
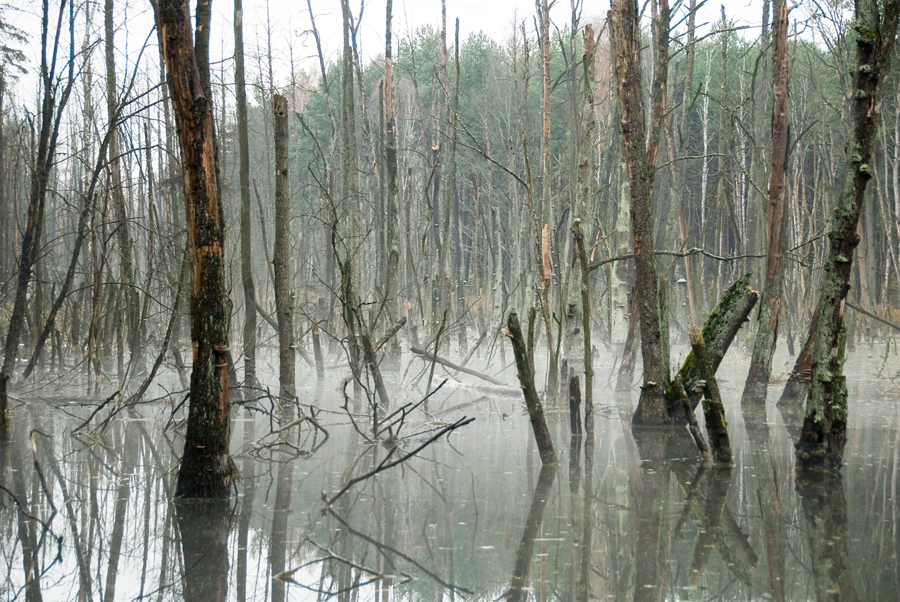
(206,467)
(56,85)
(640,158)
(757,382)
(825,425)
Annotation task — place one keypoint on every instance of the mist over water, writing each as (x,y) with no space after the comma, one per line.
(630,515)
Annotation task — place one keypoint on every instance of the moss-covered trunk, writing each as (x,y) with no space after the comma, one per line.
(825,425)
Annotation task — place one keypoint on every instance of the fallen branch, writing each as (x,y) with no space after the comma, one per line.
(439,360)
(689,252)
(871,315)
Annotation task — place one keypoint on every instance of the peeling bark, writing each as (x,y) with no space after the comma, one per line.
(206,467)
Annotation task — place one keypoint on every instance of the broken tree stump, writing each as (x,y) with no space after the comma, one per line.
(575,405)
(525,367)
(712,401)
(719,331)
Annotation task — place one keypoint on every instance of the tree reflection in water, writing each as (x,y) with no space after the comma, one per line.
(629,514)
(518,589)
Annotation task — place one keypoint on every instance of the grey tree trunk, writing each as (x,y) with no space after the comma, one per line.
(248,285)
(640,159)
(281,259)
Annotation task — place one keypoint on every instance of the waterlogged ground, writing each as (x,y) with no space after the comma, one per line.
(86,513)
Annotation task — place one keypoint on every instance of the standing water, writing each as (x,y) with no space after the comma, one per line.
(86,509)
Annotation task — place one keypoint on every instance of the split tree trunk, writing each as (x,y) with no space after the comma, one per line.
(206,467)
(712,401)
(719,331)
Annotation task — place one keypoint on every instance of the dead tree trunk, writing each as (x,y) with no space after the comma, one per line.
(640,160)
(248,285)
(586,327)
(392,356)
(53,104)
(525,366)
(206,467)
(825,426)
(281,258)
(767,331)
(546,214)
(351,241)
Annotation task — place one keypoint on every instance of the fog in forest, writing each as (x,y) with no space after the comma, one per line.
(605,310)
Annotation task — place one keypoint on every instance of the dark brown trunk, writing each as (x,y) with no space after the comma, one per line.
(525,367)
(207,470)
(392,357)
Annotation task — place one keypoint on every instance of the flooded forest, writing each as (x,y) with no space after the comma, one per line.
(307,303)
